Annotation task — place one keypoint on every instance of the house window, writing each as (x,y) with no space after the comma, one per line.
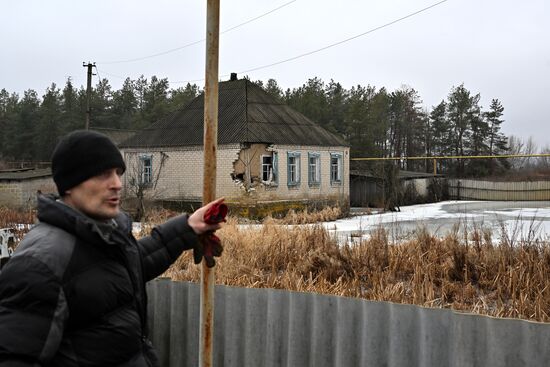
(269,169)
(145,169)
(335,168)
(314,169)
(293,168)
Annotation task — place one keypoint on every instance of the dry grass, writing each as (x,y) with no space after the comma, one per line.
(13,219)
(511,279)
(10,218)
(305,217)
(502,281)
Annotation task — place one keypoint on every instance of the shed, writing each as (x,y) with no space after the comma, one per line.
(369,190)
(18,187)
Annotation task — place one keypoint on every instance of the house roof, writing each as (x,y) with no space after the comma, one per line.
(24,174)
(116,135)
(246,114)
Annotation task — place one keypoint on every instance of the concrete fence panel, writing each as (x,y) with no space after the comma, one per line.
(504,191)
(272,328)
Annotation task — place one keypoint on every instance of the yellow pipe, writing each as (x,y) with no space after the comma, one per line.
(452,157)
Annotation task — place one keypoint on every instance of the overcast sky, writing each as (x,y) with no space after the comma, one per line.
(497,48)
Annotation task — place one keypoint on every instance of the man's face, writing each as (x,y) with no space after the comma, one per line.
(98,197)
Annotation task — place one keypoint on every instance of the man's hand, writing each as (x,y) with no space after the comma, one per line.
(204,222)
(198,222)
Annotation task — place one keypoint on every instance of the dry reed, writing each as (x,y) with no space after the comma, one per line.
(306,217)
(472,276)
(18,222)
(10,218)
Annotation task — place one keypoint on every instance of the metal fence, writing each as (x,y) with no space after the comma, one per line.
(506,191)
(267,327)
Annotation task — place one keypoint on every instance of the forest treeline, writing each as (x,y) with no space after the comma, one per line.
(374,121)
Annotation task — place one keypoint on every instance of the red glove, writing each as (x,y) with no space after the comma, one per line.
(209,244)
(216,214)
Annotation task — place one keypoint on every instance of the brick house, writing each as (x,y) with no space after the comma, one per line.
(18,187)
(270,157)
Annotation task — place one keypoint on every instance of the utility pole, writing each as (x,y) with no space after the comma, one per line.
(206,332)
(89,65)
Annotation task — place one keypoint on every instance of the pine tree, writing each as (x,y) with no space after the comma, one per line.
(336,96)
(155,100)
(406,125)
(462,108)
(378,122)
(273,88)
(9,111)
(355,122)
(72,116)
(440,130)
(310,99)
(497,141)
(24,131)
(180,97)
(48,128)
(125,105)
(101,106)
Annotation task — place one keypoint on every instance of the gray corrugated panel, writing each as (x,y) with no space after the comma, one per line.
(266,327)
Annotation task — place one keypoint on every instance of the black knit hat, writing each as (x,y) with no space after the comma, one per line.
(83,154)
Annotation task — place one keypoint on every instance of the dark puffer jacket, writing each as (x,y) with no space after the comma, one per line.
(73,294)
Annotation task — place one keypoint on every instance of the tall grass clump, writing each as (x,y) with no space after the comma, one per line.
(10,218)
(18,222)
(306,217)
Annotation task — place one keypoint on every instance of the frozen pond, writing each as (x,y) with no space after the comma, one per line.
(517,220)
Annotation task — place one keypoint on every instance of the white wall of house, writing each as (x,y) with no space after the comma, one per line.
(181,174)
(182,169)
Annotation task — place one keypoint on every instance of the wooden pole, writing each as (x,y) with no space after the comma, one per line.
(206,334)
(89,65)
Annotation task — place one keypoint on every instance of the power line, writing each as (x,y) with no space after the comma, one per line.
(97,71)
(319,49)
(328,46)
(343,41)
(195,42)
(256,18)
(114,75)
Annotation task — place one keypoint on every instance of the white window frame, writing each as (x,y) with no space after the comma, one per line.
(145,171)
(267,169)
(293,169)
(336,168)
(314,168)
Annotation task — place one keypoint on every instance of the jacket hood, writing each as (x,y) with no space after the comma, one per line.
(59,214)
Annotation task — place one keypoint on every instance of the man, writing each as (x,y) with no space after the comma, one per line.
(73,294)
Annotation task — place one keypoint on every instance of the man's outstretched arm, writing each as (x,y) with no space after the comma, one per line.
(167,241)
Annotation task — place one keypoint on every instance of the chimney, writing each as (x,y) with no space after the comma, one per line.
(233,77)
